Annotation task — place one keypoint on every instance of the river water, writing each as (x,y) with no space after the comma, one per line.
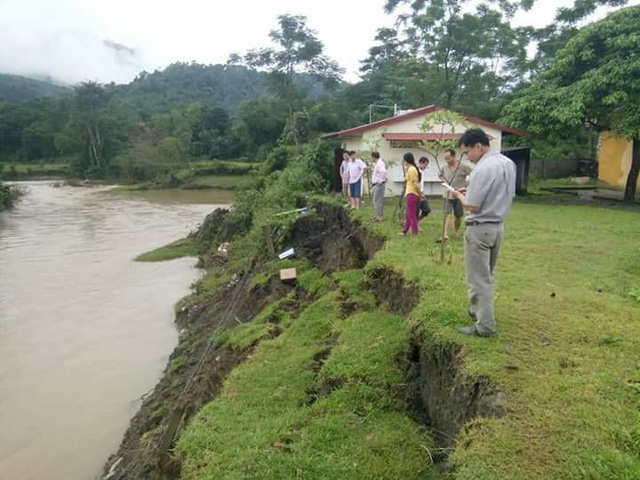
(84,330)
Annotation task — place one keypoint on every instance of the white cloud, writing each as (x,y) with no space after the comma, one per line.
(65,38)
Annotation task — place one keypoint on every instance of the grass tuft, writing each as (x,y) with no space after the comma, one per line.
(185,247)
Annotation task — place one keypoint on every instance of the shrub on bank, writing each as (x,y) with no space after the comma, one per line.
(279,186)
(8,196)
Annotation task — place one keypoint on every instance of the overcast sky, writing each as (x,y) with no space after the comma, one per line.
(65,39)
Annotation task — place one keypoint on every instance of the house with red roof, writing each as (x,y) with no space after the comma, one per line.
(394,136)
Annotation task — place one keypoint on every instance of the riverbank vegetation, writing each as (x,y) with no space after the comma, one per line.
(180,248)
(24,171)
(7,197)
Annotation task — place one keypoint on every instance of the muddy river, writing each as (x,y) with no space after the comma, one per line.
(84,330)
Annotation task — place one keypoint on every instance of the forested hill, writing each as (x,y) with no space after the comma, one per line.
(184,83)
(179,84)
(15,88)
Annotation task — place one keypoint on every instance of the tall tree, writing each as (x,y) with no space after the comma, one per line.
(103,123)
(297,51)
(553,37)
(463,46)
(592,80)
(91,103)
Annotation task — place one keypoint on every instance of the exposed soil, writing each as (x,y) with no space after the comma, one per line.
(443,398)
(332,240)
(392,291)
(437,394)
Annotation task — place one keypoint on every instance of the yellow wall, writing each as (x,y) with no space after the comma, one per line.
(614,161)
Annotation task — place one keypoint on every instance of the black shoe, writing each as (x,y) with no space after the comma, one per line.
(473,332)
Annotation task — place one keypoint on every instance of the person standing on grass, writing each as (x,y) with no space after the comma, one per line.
(454,173)
(423,206)
(411,194)
(378,181)
(344,174)
(488,198)
(423,164)
(356,170)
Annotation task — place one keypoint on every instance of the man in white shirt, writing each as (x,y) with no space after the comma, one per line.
(378,181)
(423,164)
(344,174)
(356,170)
(423,206)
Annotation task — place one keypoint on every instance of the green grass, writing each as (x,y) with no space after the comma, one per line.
(220,181)
(567,358)
(185,247)
(24,170)
(351,283)
(266,425)
(536,185)
(227,163)
(263,325)
(568,350)
(204,288)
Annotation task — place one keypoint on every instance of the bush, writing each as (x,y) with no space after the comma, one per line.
(221,168)
(8,196)
(278,158)
(174,178)
(277,190)
(274,191)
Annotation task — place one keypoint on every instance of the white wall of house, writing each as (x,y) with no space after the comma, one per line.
(393,155)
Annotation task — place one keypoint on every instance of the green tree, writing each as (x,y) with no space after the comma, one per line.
(102,123)
(592,80)
(38,140)
(471,56)
(297,51)
(553,37)
(92,100)
(258,125)
(209,133)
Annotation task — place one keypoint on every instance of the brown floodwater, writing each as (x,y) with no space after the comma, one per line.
(84,330)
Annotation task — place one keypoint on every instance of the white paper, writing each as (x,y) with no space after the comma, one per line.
(448,187)
(286,254)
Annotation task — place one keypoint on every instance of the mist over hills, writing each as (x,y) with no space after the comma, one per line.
(179,84)
(16,88)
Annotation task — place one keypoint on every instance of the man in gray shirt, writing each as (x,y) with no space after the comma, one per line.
(488,198)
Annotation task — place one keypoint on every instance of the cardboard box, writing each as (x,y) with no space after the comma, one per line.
(288,274)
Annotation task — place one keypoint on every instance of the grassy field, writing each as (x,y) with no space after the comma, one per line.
(19,170)
(568,349)
(567,358)
(220,181)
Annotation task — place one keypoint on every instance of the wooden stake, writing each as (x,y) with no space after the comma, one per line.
(266,231)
